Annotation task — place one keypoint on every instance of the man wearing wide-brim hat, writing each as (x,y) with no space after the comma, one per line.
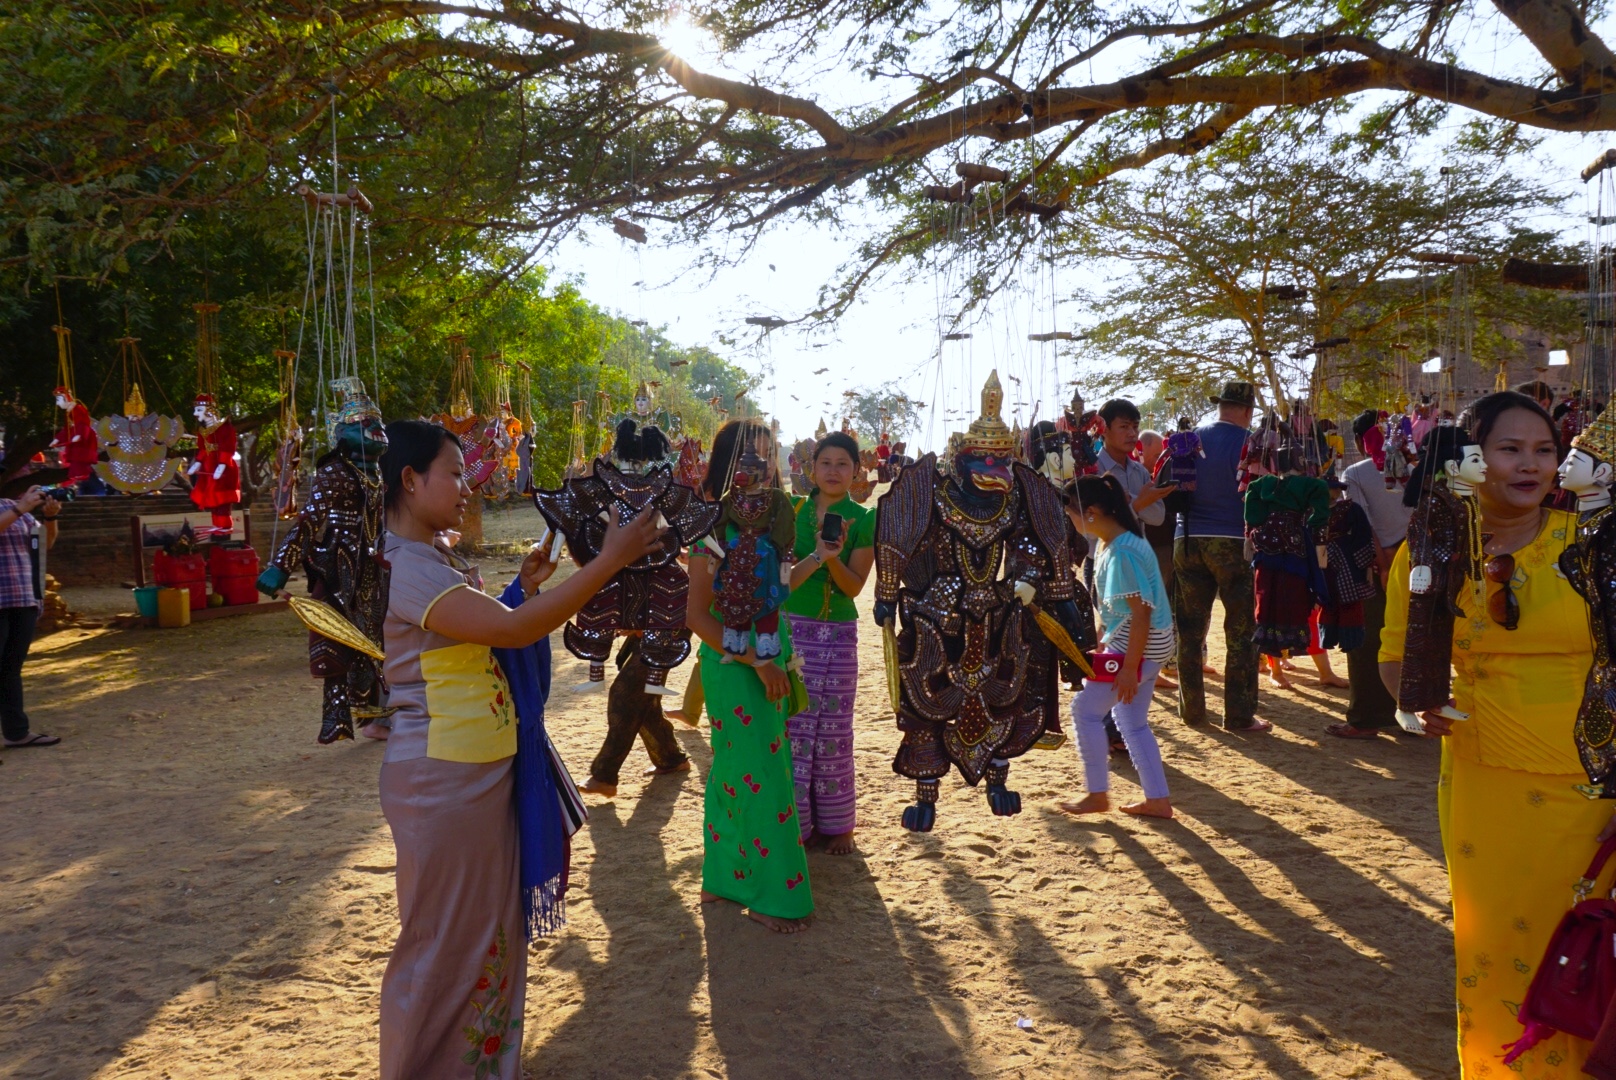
(1209,563)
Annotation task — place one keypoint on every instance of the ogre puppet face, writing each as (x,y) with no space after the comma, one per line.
(987,472)
(362,442)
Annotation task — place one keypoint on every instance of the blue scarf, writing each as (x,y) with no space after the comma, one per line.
(540,832)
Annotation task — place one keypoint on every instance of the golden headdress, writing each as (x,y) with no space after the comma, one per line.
(819,432)
(988,433)
(134,406)
(1599,437)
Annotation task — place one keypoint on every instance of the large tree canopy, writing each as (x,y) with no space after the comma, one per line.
(1237,267)
(523,118)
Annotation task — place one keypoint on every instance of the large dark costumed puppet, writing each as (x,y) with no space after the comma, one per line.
(1590,566)
(978,680)
(337,539)
(646,598)
(1444,548)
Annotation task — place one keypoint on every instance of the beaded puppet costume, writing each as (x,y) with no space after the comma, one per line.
(1444,548)
(646,598)
(978,680)
(1590,566)
(137,448)
(338,541)
(756,528)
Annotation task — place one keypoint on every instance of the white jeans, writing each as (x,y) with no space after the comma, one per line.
(1089,708)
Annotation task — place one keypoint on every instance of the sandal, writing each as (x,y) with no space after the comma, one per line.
(36,739)
(1347,731)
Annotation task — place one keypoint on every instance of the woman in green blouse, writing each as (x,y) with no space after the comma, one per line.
(824,632)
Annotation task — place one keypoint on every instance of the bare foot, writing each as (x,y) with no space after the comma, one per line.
(1164,683)
(840,845)
(1280,680)
(1332,679)
(1156,808)
(679,715)
(375,731)
(1285,662)
(1208,669)
(667,770)
(779,926)
(596,787)
(710,898)
(1096,802)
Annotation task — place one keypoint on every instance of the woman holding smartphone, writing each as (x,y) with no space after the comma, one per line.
(452,995)
(835,550)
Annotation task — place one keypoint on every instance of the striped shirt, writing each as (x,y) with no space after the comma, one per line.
(17,560)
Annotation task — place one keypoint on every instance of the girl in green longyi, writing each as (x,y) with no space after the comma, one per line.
(752,851)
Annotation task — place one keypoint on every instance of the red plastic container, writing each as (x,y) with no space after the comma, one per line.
(188,572)
(235,574)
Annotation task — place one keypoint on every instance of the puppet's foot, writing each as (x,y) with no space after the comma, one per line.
(1410,722)
(768,646)
(1001,800)
(923,814)
(335,729)
(597,679)
(658,690)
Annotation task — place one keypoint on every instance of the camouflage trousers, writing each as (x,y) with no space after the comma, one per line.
(1207,568)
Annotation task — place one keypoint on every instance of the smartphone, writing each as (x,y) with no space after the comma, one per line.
(831,530)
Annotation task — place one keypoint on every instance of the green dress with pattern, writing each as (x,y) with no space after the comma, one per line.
(752,851)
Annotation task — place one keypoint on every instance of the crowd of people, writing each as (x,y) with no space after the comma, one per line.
(481,809)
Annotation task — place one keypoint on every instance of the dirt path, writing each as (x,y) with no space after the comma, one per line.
(193,888)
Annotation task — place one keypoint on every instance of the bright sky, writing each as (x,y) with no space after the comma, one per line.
(894,332)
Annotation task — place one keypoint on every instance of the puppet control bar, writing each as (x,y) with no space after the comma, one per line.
(971,175)
(352,197)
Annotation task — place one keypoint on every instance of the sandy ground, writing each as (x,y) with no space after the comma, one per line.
(193,888)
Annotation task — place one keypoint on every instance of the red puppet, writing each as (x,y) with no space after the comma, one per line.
(215,474)
(76,441)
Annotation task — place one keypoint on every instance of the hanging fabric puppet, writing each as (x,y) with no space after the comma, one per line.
(977,678)
(1181,455)
(1285,515)
(646,598)
(137,448)
(1590,566)
(76,441)
(1444,547)
(216,472)
(1349,572)
(338,542)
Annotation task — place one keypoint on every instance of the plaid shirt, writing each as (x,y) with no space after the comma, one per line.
(16,561)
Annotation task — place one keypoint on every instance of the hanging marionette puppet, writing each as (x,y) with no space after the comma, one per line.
(137,447)
(465,423)
(977,678)
(216,472)
(289,455)
(1444,547)
(1181,455)
(338,542)
(756,532)
(646,598)
(76,444)
(1590,566)
(1285,514)
(1081,426)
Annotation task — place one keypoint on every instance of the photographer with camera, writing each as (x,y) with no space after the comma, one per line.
(24,539)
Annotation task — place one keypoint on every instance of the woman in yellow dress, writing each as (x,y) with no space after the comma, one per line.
(1516,831)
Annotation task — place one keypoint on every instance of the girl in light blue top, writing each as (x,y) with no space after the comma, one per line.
(1135,620)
